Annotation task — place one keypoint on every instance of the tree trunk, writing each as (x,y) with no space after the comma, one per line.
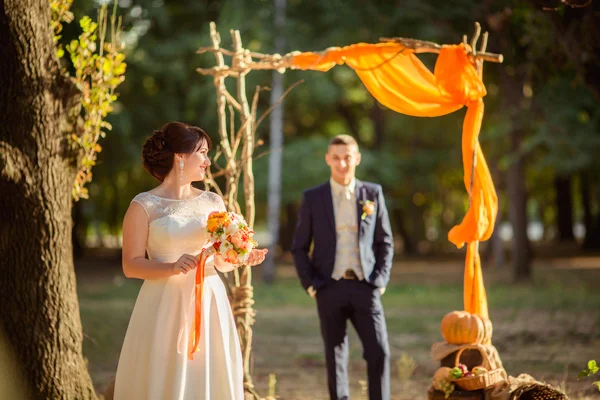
(287,227)
(409,246)
(496,246)
(39,312)
(276,149)
(517,210)
(564,208)
(592,236)
(378,125)
(494,251)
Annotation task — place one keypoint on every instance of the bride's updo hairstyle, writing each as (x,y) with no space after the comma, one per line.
(158,153)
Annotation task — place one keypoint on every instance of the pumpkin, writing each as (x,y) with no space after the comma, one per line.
(488,328)
(441,375)
(462,327)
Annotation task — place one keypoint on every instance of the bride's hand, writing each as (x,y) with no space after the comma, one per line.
(256,257)
(185,264)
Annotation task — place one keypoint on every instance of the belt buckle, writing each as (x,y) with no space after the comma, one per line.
(349,274)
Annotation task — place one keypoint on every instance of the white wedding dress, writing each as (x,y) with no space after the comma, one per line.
(154,363)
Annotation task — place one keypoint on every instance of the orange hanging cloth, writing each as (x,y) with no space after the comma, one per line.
(399,80)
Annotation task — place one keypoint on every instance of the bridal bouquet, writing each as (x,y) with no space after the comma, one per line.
(230,236)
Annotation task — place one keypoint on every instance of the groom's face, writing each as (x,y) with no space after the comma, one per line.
(342,159)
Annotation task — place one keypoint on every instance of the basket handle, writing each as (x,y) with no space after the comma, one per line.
(486,358)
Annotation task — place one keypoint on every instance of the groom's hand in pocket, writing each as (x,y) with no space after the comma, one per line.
(185,264)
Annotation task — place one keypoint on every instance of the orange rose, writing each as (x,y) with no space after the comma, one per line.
(216,214)
(238,239)
(212,224)
(217,219)
(231,256)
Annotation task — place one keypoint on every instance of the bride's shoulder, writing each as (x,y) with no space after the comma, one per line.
(146,199)
(214,199)
(143,198)
(212,196)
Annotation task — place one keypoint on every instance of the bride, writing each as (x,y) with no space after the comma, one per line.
(168,223)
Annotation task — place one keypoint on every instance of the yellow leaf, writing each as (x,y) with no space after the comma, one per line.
(106,66)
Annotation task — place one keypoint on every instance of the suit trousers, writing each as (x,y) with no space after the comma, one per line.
(359,302)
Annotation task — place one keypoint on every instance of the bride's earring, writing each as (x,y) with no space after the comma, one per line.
(181,171)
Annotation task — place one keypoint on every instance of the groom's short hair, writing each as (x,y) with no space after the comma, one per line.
(343,139)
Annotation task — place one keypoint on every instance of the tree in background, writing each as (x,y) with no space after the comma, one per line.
(417,160)
(51,125)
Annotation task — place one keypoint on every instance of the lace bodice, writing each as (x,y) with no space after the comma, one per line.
(176,227)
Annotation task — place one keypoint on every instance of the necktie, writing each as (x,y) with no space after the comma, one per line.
(347,194)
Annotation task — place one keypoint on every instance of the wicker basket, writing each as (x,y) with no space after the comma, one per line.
(494,374)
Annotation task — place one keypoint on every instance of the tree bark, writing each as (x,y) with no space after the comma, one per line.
(39,312)
(517,210)
(564,208)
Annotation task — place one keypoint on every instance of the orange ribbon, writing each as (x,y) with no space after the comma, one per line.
(198,289)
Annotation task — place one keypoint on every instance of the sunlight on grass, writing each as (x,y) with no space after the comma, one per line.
(288,292)
(532,324)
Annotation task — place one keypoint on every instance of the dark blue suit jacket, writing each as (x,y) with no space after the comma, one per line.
(316,225)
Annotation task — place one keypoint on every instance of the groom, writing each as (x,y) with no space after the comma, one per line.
(347,222)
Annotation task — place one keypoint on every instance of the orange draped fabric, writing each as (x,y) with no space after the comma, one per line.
(400,81)
(198,291)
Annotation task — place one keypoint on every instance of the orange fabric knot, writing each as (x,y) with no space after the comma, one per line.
(457,77)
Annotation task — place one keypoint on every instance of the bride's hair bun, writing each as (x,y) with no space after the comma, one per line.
(158,153)
(158,139)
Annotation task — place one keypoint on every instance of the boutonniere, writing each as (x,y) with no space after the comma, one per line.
(368,208)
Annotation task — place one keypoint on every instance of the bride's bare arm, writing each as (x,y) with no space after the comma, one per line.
(135,235)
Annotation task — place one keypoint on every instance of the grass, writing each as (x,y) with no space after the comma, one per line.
(548,329)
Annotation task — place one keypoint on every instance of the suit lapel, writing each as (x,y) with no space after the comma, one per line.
(328,203)
(360,197)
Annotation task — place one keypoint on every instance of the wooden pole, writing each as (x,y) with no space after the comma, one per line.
(243,292)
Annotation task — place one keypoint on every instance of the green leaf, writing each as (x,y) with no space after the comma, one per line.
(591,369)
(592,366)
